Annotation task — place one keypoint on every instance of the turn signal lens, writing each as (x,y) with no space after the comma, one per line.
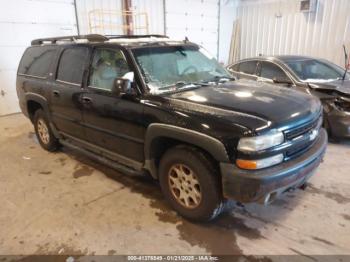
(260,163)
(246,164)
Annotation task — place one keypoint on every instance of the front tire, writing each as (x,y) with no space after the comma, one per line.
(190,183)
(43,132)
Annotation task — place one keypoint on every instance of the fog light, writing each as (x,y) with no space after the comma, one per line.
(260,163)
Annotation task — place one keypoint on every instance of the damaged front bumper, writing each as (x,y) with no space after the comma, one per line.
(266,184)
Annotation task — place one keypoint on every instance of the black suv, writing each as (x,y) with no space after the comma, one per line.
(147,104)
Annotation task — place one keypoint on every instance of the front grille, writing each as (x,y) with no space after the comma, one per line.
(299,147)
(301,130)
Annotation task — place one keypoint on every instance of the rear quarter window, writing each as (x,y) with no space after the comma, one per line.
(37,60)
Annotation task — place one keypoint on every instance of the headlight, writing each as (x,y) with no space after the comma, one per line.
(256,143)
(260,163)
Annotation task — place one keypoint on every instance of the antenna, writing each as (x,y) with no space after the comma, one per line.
(346,62)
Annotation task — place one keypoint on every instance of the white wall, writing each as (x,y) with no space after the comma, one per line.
(228,14)
(273,27)
(155,11)
(20,22)
(196,19)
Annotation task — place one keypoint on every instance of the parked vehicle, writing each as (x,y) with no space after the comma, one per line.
(318,77)
(147,104)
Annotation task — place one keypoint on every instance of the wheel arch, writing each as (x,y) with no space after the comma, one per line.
(160,137)
(35,102)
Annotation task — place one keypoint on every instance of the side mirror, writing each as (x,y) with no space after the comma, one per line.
(123,85)
(282,80)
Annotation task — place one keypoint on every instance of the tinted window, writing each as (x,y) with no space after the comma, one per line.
(312,69)
(36,61)
(248,67)
(106,66)
(270,70)
(72,65)
(235,67)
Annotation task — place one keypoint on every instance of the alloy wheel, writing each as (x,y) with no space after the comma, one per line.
(184,186)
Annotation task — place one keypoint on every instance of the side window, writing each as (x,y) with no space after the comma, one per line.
(235,68)
(72,64)
(269,71)
(36,61)
(107,65)
(248,67)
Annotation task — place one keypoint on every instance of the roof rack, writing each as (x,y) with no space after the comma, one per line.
(135,36)
(53,40)
(91,38)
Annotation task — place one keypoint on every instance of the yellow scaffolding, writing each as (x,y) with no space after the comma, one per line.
(113,22)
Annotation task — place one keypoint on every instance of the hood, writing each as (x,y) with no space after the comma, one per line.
(255,105)
(339,86)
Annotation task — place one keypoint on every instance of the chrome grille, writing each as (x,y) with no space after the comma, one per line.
(301,130)
(304,132)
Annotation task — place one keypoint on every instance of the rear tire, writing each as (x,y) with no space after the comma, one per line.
(43,132)
(191,184)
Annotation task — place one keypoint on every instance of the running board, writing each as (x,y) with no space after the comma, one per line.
(119,167)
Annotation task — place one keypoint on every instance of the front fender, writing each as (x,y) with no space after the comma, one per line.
(210,144)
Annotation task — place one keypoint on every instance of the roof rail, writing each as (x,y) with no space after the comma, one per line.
(135,36)
(53,40)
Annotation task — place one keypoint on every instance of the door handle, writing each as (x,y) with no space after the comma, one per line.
(56,93)
(86,100)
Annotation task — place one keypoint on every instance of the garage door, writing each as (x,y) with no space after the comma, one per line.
(196,19)
(20,22)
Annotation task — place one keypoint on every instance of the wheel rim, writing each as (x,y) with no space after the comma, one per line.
(43,131)
(184,186)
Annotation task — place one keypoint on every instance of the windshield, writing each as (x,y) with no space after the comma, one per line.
(170,67)
(312,70)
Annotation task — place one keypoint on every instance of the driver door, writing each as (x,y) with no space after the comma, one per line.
(112,123)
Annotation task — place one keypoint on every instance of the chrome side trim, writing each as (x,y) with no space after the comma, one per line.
(66,82)
(39,77)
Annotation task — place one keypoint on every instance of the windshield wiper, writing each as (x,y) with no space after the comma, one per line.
(346,63)
(219,79)
(182,84)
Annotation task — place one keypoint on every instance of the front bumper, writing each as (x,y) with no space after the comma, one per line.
(263,185)
(339,123)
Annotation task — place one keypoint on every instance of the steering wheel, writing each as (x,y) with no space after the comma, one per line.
(189,68)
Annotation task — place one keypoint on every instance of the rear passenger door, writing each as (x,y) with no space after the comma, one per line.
(245,70)
(67,90)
